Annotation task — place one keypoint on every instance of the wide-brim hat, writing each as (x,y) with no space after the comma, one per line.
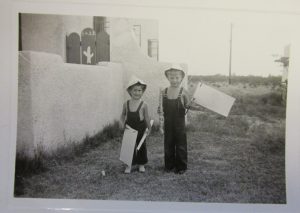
(135,81)
(176,67)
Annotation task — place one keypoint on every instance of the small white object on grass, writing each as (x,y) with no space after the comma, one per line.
(103,173)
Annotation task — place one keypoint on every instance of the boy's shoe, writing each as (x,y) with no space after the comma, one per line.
(180,171)
(127,170)
(169,170)
(142,168)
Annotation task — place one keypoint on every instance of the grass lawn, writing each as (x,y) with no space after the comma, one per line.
(238,159)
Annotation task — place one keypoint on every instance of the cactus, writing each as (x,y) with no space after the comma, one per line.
(88,55)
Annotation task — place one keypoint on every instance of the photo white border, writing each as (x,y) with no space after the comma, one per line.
(135,9)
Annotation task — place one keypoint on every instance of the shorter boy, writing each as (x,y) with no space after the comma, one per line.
(135,114)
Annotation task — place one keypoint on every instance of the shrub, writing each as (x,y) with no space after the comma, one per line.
(268,139)
(273,98)
(26,167)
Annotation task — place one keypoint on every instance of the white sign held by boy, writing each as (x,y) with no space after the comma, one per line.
(213,99)
(128,144)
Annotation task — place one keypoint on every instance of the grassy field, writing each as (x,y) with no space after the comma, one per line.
(238,159)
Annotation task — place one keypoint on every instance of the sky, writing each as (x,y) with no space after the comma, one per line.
(203,42)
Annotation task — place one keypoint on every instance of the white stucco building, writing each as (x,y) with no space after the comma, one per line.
(61,102)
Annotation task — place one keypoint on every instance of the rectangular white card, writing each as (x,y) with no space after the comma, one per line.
(213,99)
(128,145)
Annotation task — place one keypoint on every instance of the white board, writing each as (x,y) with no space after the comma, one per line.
(128,144)
(213,99)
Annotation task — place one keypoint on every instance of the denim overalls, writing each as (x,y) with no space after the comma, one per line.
(175,143)
(134,121)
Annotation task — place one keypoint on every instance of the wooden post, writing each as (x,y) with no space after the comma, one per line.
(229,79)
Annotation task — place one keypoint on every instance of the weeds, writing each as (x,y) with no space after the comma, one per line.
(268,139)
(252,81)
(219,125)
(266,106)
(26,167)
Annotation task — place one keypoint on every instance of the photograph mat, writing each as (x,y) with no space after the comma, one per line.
(8,131)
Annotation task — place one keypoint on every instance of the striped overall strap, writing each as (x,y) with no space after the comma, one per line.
(166,93)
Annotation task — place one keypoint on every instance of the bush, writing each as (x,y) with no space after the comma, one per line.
(273,98)
(268,139)
(26,167)
(262,106)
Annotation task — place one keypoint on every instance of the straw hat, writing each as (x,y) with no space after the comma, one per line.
(135,81)
(175,67)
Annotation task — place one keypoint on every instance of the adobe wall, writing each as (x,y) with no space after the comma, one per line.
(60,102)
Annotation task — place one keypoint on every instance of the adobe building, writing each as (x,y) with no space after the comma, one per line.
(70,88)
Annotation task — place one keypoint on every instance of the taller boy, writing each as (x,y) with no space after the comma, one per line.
(175,103)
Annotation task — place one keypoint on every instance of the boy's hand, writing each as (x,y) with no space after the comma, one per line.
(198,107)
(122,125)
(147,131)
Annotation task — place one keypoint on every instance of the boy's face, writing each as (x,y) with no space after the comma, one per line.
(136,92)
(175,78)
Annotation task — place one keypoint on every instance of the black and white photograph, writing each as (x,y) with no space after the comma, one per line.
(188,106)
(89,87)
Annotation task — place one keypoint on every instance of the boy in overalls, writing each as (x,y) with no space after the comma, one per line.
(174,104)
(135,114)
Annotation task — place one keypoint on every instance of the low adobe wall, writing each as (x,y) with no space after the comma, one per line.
(59,102)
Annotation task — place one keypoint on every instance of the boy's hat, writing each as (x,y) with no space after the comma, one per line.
(176,67)
(133,81)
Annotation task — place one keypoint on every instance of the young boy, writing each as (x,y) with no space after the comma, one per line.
(175,103)
(135,114)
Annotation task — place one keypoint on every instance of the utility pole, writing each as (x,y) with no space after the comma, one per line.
(229,79)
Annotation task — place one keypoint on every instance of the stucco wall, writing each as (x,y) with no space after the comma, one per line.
(47,33)
(125,50)
(149,30)
(60,102)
